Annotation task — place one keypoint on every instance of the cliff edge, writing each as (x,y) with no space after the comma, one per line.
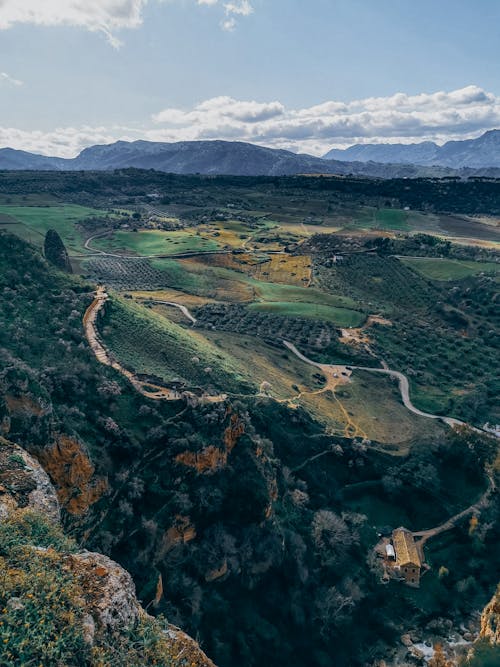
(63,605)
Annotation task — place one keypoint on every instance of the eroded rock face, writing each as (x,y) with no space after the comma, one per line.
(24,483)
(490,620)
(70,468)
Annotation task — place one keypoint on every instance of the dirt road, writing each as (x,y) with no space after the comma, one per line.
(404,385)
(184,310)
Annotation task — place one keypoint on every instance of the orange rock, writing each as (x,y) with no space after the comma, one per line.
(73,475)
(101,571)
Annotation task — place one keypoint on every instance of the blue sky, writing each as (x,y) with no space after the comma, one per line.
(298,74)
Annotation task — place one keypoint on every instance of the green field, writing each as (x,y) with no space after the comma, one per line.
(342,317)
(449,269)
(154,242)
(32,223)
(151,344)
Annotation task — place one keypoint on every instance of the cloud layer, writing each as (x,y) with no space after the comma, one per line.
(440,116)
(106,16)
(437,116)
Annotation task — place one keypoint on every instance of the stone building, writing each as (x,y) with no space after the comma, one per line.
(408,562)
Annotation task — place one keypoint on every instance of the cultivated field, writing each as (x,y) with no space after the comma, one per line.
(154,242)
(449,269)
(32,222)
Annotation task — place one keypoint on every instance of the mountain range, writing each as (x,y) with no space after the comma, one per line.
(479,153)
(196,157)
(244,159)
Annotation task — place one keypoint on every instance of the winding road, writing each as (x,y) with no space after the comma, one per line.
(404,385)
(184,310)
(335,374)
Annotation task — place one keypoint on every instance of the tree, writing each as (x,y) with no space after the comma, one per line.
(55,251)
(439,659)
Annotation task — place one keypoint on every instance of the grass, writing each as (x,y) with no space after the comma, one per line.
(389,218)
(150,344)
(154,242)
(45,626)
(342,317)
(274,366)
(32,223)
(449,269)
(373,404)
(274,292)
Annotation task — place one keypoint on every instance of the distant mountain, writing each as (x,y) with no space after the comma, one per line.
(206,157)
(11,159)
(480,153)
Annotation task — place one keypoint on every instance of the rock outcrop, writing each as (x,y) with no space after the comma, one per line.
(105,599)
(490,620)
(24,483)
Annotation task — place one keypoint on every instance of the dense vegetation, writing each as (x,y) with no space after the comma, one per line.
(55,252)
(444,195)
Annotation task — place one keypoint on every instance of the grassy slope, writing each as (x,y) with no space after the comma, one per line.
(342,317)
(33,222)
(153,242)
(148,343)
(449,269)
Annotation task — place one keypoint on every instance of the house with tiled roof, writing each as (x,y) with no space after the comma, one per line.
(407,560)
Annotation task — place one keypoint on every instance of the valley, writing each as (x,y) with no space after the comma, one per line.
(243,384)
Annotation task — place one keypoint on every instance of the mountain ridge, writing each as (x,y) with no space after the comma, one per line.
(482,152)
(208,158)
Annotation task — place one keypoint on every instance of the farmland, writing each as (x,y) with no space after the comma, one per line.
(342,317)
(449,269)
(264,262)
(231,503)
(153,242)
(32,222)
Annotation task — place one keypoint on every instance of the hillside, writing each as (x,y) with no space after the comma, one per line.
(480,153)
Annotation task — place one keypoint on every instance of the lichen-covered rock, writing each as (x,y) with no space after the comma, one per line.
(109,590)
(24,483)
(186,648)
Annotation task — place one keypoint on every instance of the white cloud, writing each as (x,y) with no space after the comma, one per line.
(105,16)
(440,116)
(437,116)
(240,7)
(6,78)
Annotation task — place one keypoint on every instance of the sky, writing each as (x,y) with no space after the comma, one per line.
(305,75)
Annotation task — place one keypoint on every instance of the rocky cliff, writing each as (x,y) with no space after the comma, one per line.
(490,620)
(62,605)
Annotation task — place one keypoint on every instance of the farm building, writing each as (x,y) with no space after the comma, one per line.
(408,561)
